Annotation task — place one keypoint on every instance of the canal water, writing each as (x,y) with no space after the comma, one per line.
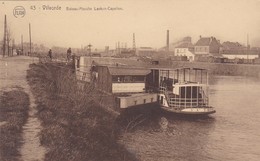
(232,133)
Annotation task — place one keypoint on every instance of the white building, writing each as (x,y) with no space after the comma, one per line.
(185,49)
(234,50)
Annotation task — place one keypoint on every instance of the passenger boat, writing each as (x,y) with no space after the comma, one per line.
(182,90)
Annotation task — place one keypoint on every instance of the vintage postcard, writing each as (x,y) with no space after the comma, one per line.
(125,80)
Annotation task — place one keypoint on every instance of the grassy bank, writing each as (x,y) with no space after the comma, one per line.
(74,126)
(14,106)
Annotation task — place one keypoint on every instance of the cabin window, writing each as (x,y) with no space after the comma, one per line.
(117,79)
(128,79)
(139,78)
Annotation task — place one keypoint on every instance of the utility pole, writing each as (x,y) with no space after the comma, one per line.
(247,48)
(5,26)
(22,44)
(8,42)
(30,36)
(13,46)
(119,50)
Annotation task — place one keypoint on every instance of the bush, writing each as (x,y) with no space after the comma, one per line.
(74,125)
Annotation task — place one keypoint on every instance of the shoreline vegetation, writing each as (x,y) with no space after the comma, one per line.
(74,126)
(14,108)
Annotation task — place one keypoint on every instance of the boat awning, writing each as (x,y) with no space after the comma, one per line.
(128,71)
(175,69)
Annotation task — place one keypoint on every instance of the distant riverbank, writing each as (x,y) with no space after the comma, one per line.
(222,68)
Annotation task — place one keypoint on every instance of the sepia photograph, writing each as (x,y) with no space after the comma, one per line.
(126,80)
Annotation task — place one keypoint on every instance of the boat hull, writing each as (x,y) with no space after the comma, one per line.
(191,111)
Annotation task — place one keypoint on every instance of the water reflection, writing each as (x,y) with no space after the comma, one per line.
(229,134)
(166,136)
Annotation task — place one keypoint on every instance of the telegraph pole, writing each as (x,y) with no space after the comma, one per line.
(30,36)
(13,46)
(8,42)
(22,44)
(247,47)
(5,36)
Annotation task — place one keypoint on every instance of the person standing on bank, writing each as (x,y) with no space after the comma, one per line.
(50,54)
(68,54)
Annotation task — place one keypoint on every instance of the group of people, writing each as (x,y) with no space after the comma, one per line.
(68,54)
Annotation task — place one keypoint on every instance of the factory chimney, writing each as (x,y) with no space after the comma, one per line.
(134,47)
(167,42)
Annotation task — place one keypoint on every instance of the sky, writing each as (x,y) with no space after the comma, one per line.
(227,20)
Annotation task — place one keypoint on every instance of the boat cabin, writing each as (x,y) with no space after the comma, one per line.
(118,79)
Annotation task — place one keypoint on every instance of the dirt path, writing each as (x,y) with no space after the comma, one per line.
(12,76)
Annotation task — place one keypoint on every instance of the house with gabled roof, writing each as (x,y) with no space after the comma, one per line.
(185,49)
(207,46)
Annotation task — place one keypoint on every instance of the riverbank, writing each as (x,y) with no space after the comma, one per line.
(73,125)
(14,107)
(13,78)
(223,68)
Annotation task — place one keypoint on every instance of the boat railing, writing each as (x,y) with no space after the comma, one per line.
(182,103)
(188,102)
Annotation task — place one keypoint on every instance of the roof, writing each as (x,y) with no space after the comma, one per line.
(145,49)
(229,44)
(185,45)
(128,71)
(175,69)
(204,41)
